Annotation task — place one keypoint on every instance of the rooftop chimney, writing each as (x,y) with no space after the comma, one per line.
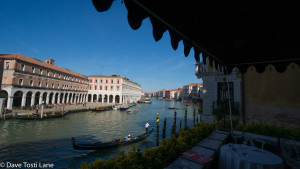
(50,61)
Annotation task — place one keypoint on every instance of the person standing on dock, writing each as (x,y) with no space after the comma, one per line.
(147,126)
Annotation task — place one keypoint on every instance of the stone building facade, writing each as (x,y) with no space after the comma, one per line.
(26,81)
(215,87)
(113,89)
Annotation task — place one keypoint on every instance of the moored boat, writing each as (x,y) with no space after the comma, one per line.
(148,100)
(100,108)
(124,107)
(114,143)
(37,116)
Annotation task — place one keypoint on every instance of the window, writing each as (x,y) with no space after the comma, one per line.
(71,87)
(95,81)
(101,81)
(31,83)
(72,78)
(111,88)
(95,87)
(46,84)
(58,86)
(22,68)
(32,69)
(40,84)
(54,74)
(112,81)
(106,81)
(48,72)
(20,81)
(41,71)
(7,65)
(52,85)
(118,81)
(90,87)
(100,87)
(105,87)
(58,75)
(117,88)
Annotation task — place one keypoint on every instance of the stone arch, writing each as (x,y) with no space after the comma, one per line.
(17,98)
(28,98)
(4,94)
(44,98)
(74,97)
(94,98)
(89,98)
(105,98)
(111,98)
(61,97)
(50,98)
(117,99)
(56,98)
(37,98)
(66,97)
(100,98)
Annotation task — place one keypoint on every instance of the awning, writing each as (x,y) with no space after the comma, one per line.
(231,33)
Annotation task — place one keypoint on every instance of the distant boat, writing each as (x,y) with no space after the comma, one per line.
(148,100)
(116,108)
(174,108)
(124,107)
(187,104)
(100,109)
(140,101)
(132,110)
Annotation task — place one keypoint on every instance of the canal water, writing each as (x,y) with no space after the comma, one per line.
(49,140)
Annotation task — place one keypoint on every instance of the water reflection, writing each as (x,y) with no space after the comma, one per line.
(50,140)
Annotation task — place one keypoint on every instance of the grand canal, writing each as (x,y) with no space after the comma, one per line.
(49,141)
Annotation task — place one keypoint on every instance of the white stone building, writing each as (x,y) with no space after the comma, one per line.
(215,87)
(113,89)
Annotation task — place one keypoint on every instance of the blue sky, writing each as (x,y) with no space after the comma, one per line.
(81,39)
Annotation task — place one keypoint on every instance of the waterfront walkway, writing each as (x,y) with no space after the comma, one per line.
(72,108)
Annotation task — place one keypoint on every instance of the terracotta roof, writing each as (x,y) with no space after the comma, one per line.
(194,84)
(40,63)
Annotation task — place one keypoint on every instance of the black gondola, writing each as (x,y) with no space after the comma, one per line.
(37,116)
(101,108)
(112,144)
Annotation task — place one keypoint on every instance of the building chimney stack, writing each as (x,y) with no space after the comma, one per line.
(50,61)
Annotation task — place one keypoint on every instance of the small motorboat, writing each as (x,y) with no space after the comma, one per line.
(124,107)
(114,143)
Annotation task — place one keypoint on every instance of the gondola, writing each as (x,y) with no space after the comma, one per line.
(100,108)
(37,116)
(174,108)
(114,143)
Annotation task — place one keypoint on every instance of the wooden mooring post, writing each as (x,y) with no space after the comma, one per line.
(185,119)
(164,129)
(175,114)
(194,117)
(173,128)
(180,126)
(157,129)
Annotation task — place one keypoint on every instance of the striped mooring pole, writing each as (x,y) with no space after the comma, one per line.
(157,129)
